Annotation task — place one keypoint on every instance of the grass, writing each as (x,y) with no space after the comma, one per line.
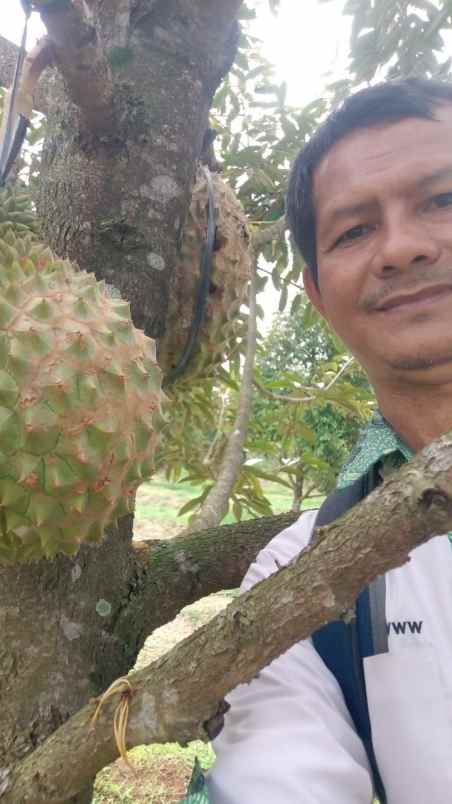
(160,775)
(160,499)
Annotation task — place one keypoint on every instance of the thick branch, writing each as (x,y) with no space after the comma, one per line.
(215,505)
(171,574)
(177,694)
(8,57)
(81,60)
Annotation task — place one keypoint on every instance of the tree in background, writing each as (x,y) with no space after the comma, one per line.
(315,400)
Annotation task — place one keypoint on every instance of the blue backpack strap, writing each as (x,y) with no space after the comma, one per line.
(342,645)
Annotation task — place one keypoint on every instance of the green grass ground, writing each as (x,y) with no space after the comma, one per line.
(161,500)
(159,775)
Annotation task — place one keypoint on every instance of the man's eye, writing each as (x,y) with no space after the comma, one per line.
(442,200)
(352,234)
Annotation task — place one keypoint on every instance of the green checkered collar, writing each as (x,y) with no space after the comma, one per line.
(378,442)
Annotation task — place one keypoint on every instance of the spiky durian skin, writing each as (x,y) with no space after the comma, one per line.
(16,212)
(231,271)
(79,404)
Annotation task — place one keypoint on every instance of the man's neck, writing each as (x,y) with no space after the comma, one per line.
(418,415)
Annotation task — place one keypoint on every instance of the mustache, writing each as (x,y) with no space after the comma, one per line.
(410,284)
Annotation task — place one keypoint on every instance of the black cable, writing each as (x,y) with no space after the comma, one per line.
(13,138)
(16,147)
(205,270)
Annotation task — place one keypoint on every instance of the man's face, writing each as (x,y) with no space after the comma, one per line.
(383,200)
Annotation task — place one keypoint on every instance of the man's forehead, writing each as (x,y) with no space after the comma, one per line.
(383,147)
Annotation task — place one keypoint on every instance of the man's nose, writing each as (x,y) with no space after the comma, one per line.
(403,243)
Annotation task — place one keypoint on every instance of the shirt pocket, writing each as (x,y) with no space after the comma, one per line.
(411,726)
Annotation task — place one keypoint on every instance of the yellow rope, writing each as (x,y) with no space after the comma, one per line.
(121,716)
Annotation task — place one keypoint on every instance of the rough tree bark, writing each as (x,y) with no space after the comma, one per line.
(127,110)
(174,696)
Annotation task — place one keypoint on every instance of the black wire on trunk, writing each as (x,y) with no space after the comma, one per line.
(205,271)
(14,129)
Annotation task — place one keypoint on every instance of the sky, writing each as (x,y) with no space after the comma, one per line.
(307,42)
(304,41)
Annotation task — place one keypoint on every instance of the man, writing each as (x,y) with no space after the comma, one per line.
(370,208)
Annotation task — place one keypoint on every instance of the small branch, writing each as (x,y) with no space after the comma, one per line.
(295,400)
(272,232)
(81,60)
(215,505)
(340,373)
(314,391)
(36,61)
(218,432)
(8,58)
(291,282)
(177,694)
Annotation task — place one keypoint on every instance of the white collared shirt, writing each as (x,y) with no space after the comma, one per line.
(289,739)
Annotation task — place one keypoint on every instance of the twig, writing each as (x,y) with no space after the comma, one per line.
(339,374)
(215,505)
(293,284)
(295,400)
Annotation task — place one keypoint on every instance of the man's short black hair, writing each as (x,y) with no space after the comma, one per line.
(388,102)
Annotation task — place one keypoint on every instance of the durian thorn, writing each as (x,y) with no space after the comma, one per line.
(32,481)
(121,716)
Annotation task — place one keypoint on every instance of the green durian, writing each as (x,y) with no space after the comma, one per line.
(80,395)
(231,271)
(16,211)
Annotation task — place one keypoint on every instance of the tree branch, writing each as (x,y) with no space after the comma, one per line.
(81,59)
(215,505)
(168,575)
(177,694)
(8,57)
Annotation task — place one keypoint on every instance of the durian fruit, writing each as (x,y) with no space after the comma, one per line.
(16,212)
(230,276)
(80,394)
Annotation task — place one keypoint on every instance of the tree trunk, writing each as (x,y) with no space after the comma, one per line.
(126,117)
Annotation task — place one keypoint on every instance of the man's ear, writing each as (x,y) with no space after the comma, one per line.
(313,292)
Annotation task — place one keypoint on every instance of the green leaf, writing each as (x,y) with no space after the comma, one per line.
(189,506)
(237,510)
(283,299)
(296,304)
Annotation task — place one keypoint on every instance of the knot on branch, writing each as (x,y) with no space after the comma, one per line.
(435,500)
(214,725)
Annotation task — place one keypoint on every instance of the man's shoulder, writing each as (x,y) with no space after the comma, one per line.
(285,546)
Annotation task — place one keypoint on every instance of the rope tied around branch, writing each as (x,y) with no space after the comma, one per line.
(123,687)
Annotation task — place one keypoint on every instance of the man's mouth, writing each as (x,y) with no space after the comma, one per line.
(420,299)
